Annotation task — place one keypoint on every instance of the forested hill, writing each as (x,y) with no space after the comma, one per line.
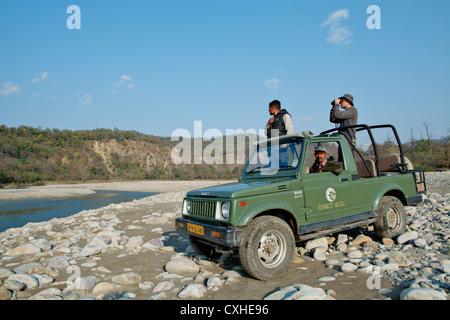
(33,155)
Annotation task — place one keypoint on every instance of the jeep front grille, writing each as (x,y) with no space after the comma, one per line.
(203,208)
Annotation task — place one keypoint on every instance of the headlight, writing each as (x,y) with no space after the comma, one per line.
(187,206)
(225,210)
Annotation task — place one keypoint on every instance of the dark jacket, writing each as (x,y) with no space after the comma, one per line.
(278,124)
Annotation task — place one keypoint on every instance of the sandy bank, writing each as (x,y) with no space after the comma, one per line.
(68,190)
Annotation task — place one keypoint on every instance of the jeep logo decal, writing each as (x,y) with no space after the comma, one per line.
(330,194)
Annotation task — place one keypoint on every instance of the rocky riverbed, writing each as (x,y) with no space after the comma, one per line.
(132,251)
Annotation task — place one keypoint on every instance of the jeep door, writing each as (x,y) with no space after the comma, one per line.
(328,194)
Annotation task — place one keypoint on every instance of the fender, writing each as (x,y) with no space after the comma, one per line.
(383,190)
(261,207)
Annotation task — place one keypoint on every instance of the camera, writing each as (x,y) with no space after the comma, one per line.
(332,103)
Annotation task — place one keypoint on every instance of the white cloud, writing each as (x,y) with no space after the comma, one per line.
(42,76)
(273,83)
(86,99)
(9,89)
(124,81)
(338,34)
(337,16)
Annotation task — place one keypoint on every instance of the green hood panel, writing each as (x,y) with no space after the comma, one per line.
(243,189)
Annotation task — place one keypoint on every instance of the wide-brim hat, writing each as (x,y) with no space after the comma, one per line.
(348,97)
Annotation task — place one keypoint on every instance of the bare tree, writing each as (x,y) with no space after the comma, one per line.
(428,134)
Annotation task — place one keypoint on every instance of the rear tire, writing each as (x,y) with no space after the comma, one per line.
(391,220)
(268,248)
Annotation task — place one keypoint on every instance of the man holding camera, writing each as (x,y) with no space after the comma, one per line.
(346,117)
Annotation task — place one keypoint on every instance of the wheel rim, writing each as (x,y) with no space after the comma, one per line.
(394,218)
(271,249)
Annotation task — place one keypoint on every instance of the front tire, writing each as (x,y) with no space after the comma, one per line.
(391,220)
(268,248)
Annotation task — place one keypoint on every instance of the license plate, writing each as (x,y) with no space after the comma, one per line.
(195,228)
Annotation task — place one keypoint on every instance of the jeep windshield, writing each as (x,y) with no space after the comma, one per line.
(272,157)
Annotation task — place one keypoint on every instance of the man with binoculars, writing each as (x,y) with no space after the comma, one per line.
(346,117)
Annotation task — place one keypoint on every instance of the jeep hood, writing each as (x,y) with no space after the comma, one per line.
(243,189)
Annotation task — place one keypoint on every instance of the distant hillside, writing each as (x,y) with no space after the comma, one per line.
(34,155)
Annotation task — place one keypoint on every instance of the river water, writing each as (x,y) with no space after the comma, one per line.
(17,213)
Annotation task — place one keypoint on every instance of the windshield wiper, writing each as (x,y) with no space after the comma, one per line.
(255,168)
(286,167)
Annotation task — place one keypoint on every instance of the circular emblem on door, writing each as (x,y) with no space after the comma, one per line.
(330,194)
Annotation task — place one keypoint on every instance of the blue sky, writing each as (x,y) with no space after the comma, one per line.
(157,66)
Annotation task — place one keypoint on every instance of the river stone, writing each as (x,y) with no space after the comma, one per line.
(348,267)
(192,291)
(127,278)
(298,292)
(4,294)
(213,282)
(326,278)
(59,262)
(90,251)
(306,292)
(422,294)
(14,285)
(28,267)
(85,283)
(5,273)
(102,288)
(134,242)
(98,242)
(29,280)
(153,244)
(231,274)
(420,243)
(44,279)
(390,267)
(361,239)
(320,242)
(445,266)
(182,265)
(354,254)
(109,237)
(28,248)
(319,253)
(398,258)
(342,238)
(407,236)
(163,286)
(42,244)
(47,294)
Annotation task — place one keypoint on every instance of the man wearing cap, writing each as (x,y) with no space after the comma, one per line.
(347,117)
(322,164)
(281,122)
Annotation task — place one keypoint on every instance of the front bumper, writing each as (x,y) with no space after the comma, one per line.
(227,237)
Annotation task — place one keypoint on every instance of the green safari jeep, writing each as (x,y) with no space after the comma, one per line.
(281,198)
